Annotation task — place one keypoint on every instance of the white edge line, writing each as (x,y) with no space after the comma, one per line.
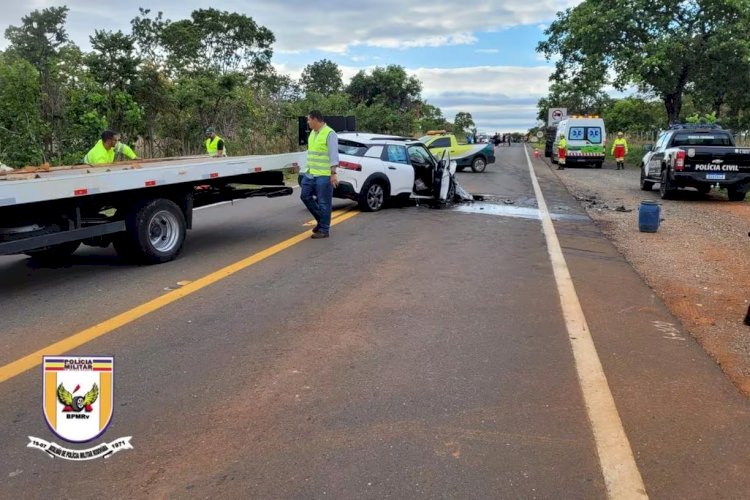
(621,475)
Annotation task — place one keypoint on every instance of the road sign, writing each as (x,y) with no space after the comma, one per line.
(556,115)
(540,134)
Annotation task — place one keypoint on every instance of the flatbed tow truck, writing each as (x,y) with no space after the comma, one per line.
(143,207)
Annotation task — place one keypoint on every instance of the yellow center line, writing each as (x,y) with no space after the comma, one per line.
(334,214)
(78,339)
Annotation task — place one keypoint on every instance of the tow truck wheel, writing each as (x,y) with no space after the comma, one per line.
(478,164)
(156,232)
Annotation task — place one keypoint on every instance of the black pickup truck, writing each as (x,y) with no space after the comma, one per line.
(698,156)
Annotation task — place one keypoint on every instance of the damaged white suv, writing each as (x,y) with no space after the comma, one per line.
(374,168)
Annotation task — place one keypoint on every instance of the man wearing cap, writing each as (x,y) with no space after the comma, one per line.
(619,150)
(214,143)
(106,148)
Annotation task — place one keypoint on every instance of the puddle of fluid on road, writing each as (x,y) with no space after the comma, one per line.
(479,207)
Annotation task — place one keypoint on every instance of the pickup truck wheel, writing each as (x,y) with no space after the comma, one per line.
(478,164)
(373,196)
(736,195)
(665,188)
(645,185)
(156,233)
(54,253)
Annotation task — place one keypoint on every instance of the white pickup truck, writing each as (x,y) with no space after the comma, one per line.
(143,207)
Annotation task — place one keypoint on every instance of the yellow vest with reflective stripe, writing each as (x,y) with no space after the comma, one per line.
(317,152)
(562,144)
(619,142)
(212,145)
(99,154)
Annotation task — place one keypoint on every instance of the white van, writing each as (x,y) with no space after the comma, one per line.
(586,138)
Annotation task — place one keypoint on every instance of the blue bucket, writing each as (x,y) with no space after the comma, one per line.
(648,216)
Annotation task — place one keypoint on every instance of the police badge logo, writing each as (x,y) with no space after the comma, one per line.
(78,399)
(78,396)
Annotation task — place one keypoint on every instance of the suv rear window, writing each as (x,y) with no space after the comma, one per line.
(352,148)
(698,139)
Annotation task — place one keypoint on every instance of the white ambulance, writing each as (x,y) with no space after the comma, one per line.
(586,138)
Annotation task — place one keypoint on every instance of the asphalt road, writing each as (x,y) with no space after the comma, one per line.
(417,353)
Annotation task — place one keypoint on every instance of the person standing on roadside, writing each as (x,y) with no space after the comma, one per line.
(619,150)
(562,150)
(320,179)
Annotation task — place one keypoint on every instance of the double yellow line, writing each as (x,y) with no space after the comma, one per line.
(78,339)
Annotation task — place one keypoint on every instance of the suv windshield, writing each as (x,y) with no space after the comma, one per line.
(698,139)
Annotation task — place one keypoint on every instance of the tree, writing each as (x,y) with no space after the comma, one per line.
(40,40)
(657,45)
(634,114)
(431,118)
(390,86)
(322,77)
(39,37)
(146,33)
(20,124)
(462,122)
(218,42)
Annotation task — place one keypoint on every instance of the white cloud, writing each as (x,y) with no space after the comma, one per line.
(300,25)
(499,98)
(487,51)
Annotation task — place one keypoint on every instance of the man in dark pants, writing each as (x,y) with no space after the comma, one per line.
(320,179)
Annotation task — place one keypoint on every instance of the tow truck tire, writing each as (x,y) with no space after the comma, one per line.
(736,195)
(645,185)
(373,195)
(155,233)
(54,253)
(478,164)
(666,190)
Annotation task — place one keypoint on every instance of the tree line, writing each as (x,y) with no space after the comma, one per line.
(164,82)
(685,59)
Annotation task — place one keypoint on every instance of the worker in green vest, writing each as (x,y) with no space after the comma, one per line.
(106,148)
(214,143)
(319,180)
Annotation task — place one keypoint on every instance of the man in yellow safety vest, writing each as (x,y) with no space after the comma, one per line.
(106,148)
(214,144)
(319,180)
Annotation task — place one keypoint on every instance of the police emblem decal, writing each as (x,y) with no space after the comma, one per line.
(78,398)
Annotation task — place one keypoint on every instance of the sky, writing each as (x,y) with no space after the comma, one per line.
(477,57)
